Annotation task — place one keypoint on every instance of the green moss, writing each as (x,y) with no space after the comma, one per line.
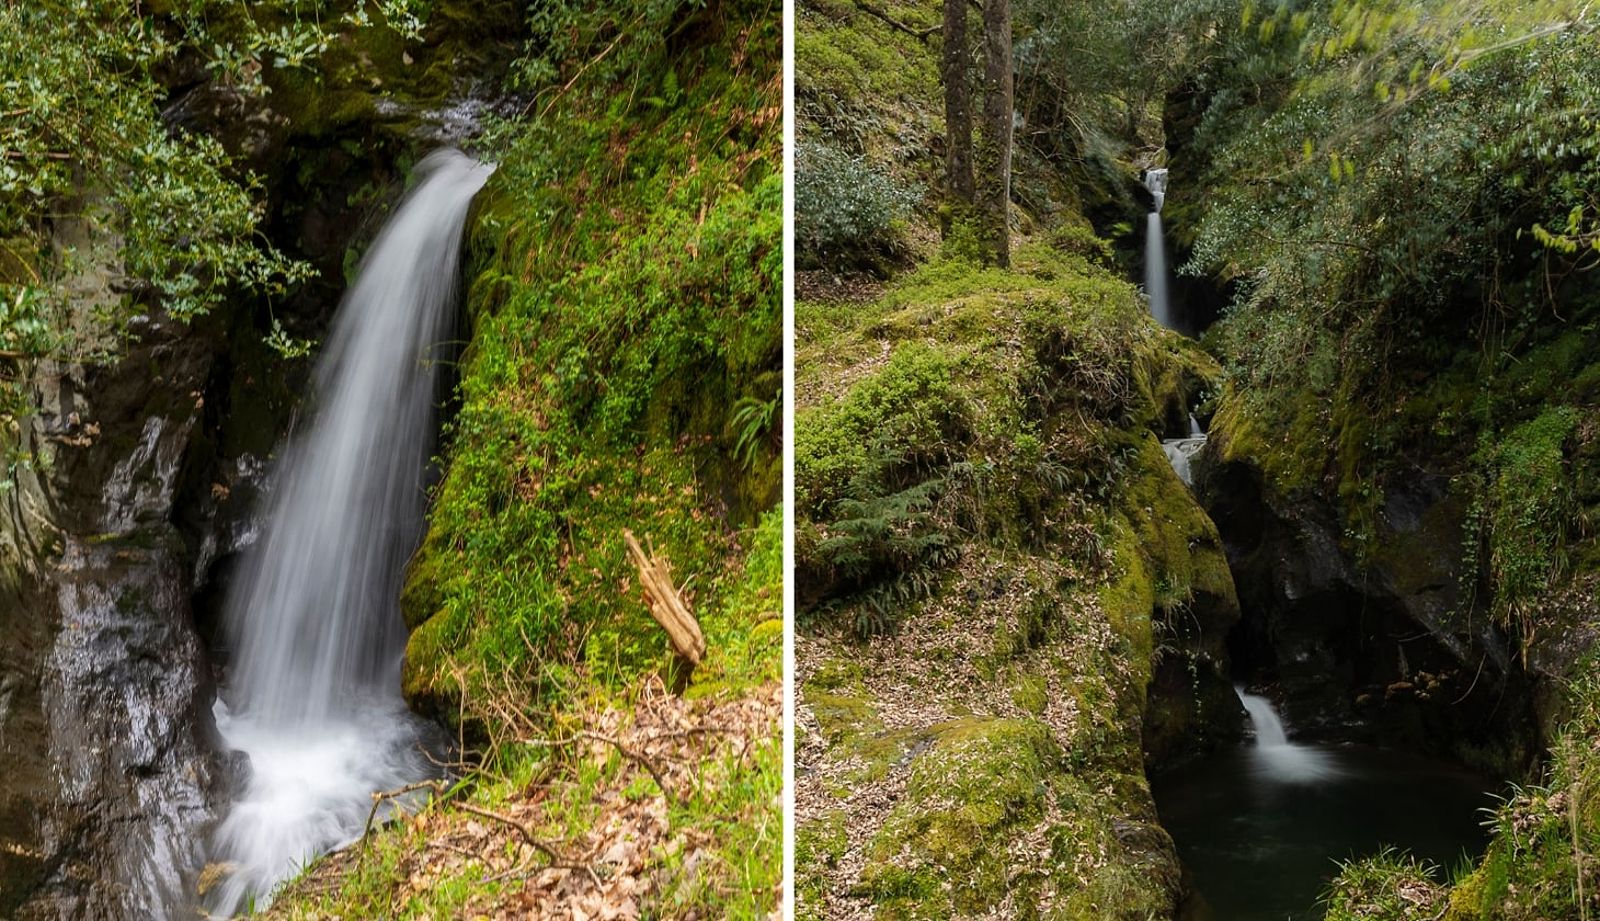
(934,855)
(835,673)
(1466,898)
(611,340)
(818,845)
(841,717)
(1031,694)
(1530,506)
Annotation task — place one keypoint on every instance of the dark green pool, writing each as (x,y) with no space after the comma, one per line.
(1259,828)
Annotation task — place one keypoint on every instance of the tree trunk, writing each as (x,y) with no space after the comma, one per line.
(994,149)
(957,105)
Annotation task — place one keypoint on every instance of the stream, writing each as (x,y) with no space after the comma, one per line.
(1261,826)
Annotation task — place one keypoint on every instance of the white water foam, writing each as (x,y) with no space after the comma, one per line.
(1274,757)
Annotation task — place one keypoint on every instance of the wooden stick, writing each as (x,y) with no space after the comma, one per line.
(664,603)
(556,858)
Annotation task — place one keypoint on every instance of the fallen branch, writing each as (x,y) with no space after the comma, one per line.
(642,759)
(882,15)
(664,603)
(556,858)
(383,796)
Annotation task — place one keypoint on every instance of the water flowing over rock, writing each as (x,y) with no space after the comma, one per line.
(1180,451)
(1276,758)
(313,698)
(1156,181)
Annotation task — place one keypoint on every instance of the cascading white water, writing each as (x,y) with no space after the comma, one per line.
(1275,758)
(1155,250)
(313,693)
(1156,181)
(1180,450)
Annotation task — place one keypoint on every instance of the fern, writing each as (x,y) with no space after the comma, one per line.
(754,420)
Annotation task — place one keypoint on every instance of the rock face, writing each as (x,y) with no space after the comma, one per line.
(104,685)
(1382,647)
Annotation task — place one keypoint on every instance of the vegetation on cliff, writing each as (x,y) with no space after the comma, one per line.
(1400,199)
(979,605)
(993,556)
(623,371)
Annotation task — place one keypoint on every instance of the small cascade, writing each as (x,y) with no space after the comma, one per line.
(1156,181)
(313,694)
(1275,758)
(1155,250)
(1179,451)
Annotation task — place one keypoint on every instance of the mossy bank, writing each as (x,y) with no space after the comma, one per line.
(995,560)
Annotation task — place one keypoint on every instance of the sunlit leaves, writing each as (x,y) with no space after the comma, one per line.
(82,138)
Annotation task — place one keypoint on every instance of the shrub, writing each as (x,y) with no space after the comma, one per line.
(844,207)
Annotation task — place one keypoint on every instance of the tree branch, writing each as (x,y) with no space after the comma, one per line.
(555,857)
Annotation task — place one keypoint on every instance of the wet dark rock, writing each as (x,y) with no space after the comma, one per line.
(105,731)
(1377,644)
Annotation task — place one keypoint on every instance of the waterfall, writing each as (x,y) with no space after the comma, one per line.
(1275,758)
(1156,181)
(1269,729)
(1179,451)
(313,696)
(1155,250)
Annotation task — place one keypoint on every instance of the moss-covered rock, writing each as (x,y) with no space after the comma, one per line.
(1010,420)
(934,856)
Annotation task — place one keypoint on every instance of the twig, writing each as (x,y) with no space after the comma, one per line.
(383,796)
(626,752)
(587,64)
(555,856)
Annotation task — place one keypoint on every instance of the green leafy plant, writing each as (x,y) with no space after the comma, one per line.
(755,420)
(844,207)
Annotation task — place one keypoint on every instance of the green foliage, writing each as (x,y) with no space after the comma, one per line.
(1530,508)
(755,420)
(876,464)
(1388,886)
(843,206)
(1400,197)
(949,434)
(609,42)
(83,137)
(286,345)
(1334,284)
(863,86)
